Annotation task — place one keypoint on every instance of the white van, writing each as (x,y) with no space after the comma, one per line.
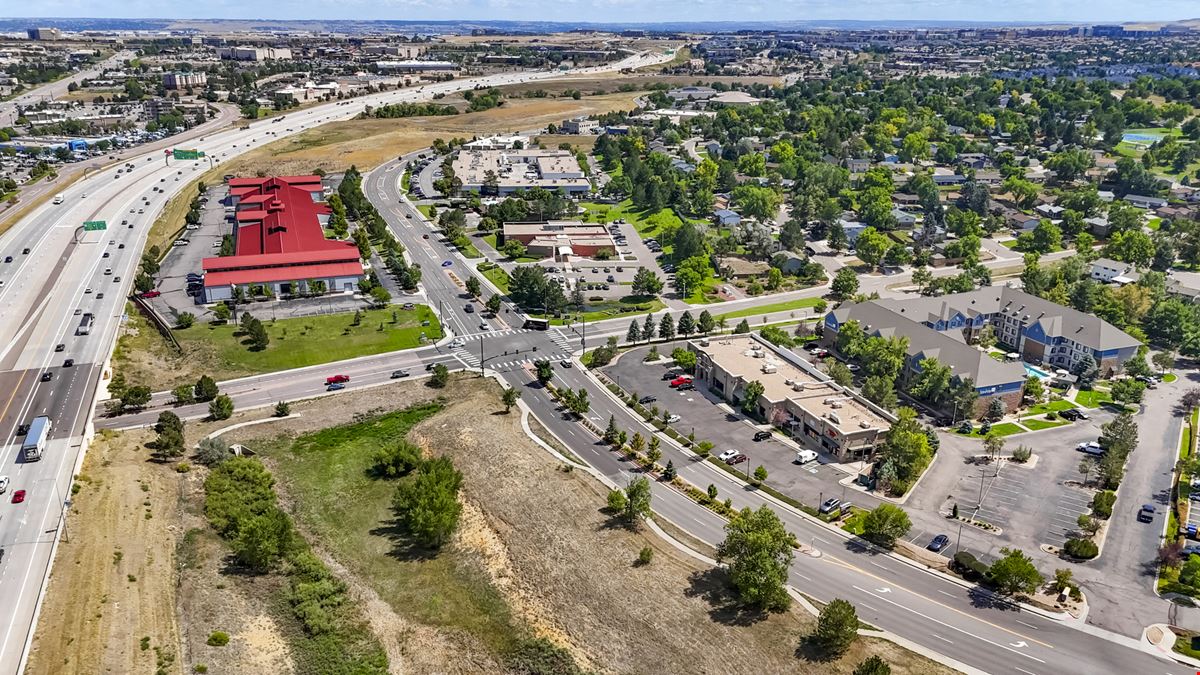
(805,456)
(59,198)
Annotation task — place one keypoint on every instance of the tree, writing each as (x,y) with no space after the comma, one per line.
(206,389)
(637,500)
(1086,371)
(837,628)
(742,327)
(135,397)
(750,395)
(221,312)
(1034,388)
(760,474)
(758,551)
(545,370)
(1015,573)
(395,461)
(687,325)
(1128,390)
(646,282)
(871,246)
(221,407)
(184,394)
(441,375)
(705,324)
(905,452)
(1163,360)
(995,410)
(666,328)
(684,358)
(635,334)
(185,320)
(212,451)
(513,248)
(493,304)
(885,524)
(873,665)
(840,373)
(1086,466)
(474,288)
(509,397)
(881,391)
(845,284)
(617,503)
(262,539)
(837,239)
(1120,435)
(932,383)
(426,502)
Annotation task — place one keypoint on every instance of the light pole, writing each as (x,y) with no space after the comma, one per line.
(982,473)
(958,542)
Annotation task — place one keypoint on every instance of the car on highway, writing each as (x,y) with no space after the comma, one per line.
(335,386)
(469,308)
(761,435)
(726,455)
(1090,448)
(24,251)
(484,327)
(457,342)
(1146,513)
(830,505)
(87,291)
(337,379)
(18,497)
(3,484)
(47,376)
(8,258)
(99,296)
(396,374)
(59,347)
(68,363)
(447,263)
(938,543)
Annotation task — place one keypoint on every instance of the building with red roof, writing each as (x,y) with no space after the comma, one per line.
(279,242)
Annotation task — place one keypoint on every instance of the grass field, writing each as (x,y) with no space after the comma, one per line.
(307,341)
(1052,406)
(1039,424)
(1003,429)
(498,277)
(628,305)
(1093,398)
(802,303)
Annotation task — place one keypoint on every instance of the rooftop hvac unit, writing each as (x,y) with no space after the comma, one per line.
(798,386)
(836,404)
(828,401)
(863,424)
(834,418)
(788,382)
(768,368)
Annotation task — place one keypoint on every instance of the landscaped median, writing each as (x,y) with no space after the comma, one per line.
(1178,571)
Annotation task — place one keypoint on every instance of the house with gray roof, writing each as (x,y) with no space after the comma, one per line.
(1040,331)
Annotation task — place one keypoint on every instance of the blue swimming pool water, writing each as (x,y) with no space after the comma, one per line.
(1139,138)
(1033,370)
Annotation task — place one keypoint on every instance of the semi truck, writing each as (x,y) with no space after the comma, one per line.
(85,324)
(35,440)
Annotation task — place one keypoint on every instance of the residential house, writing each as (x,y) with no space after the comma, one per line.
(903,218)
(1144,202)
(1106,270)
(726,217)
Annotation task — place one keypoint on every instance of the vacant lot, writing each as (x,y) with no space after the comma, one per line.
(535,554)
(223,352)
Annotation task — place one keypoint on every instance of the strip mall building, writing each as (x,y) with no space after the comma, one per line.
(279,242)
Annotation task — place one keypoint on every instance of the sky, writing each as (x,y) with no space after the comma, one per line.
(1089,11)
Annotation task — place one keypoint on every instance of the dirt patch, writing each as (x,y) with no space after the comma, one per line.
(114,581)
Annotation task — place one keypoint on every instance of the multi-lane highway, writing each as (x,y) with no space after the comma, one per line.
(56,275)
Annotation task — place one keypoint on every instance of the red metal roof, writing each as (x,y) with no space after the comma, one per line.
(346,252)
(264,275)
(287,220)
(251,214)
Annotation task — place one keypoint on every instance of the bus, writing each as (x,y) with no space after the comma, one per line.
(537,324)
(85,324)
(35,440)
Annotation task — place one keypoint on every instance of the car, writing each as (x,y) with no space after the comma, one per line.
(3,484)
(1090,448)
(408,306)
(726,455)
(671,374)
(1146,513)
(22,429)
(116,280)
(686,386)
(484,327)
(1073,415)
(99,296)
(120,245)
(673,418)
(151,294)
(106,254)
(447,263)
(683,379)
(830,505)
(18,497)
(8,258)
(24,251)
(425,236)
(852,367)
(68,363)
(399,373)
(87,291)
(611,279)
(647,399)
(47,376)
(818,352)
(761,436)
(736,459)
(469,308)
(335,386)
(337,379)
(457,342)
(805,456)
(78,311)
(938,543)
(59,347)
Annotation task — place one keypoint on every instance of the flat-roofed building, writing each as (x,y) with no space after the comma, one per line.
(796,396)
(182,80)
(560,239)
(504,172)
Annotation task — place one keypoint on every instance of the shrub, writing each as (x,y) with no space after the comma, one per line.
(218,639)
(645,555)
(1051,415)
(616,501)
(1102,503)
(1085,549)
(969,567)
(1022,454)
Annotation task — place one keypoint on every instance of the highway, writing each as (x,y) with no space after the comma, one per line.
(52,90)
(66,270)
(964,624)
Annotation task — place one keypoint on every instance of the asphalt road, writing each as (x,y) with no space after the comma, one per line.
(43,288)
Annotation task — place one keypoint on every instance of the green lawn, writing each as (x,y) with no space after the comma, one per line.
(1154,223)
(1003,429)
(1039,424)
(467,248)
(424,209)
(1053,406)
(802,303)
(349,512)
(498,277)
(1170,377)
(706,292)
(310,340)
(1093,398)
(628,305)
(647,224)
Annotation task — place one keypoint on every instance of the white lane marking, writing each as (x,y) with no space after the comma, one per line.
(1032,673)
(941,638)
(1029,625)
(945,593)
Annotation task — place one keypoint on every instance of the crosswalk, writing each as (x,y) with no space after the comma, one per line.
(557,337)
(495,333)
(471,360)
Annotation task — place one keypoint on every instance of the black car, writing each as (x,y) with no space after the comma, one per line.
(429,366)
(812,344)
(68,363)
(24,251)
(761,435)
(647,399)
(8,258)
(399,373)
(938,543)
(1073,415)
(1146,514)
(686,386)
(671,374)
(47,376)
(59,347)
(469,309)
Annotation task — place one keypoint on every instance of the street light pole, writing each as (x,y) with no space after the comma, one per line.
(982,473)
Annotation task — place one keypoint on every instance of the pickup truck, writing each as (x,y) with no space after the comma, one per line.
(337,379)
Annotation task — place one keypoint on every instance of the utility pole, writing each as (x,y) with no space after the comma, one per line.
(481,356)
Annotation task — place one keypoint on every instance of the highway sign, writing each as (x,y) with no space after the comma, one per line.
(187,154)
(91,225)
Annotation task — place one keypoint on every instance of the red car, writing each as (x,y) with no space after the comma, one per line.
(18,496)
(337,379)
(736,459)
(680,380)
(151,294)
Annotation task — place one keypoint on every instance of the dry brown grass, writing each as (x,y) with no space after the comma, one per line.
(610,82)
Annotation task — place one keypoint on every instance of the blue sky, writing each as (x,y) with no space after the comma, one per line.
(633,10)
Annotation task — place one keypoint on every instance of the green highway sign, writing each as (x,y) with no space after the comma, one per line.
(187,154)
(91,225)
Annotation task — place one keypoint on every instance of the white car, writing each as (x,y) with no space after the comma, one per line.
(1091,448)
(727,454)
(3,484)
(673,418)
(457,342)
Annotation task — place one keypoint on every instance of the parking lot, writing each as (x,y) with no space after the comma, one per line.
(711,419)
(205,241)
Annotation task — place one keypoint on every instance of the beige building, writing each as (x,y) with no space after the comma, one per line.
(796,396)
(503,172)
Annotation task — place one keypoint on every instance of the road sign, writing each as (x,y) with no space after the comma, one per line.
(92,225)
(187,154)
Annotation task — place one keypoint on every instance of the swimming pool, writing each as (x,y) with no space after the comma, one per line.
(1033,370)
(1140,138)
